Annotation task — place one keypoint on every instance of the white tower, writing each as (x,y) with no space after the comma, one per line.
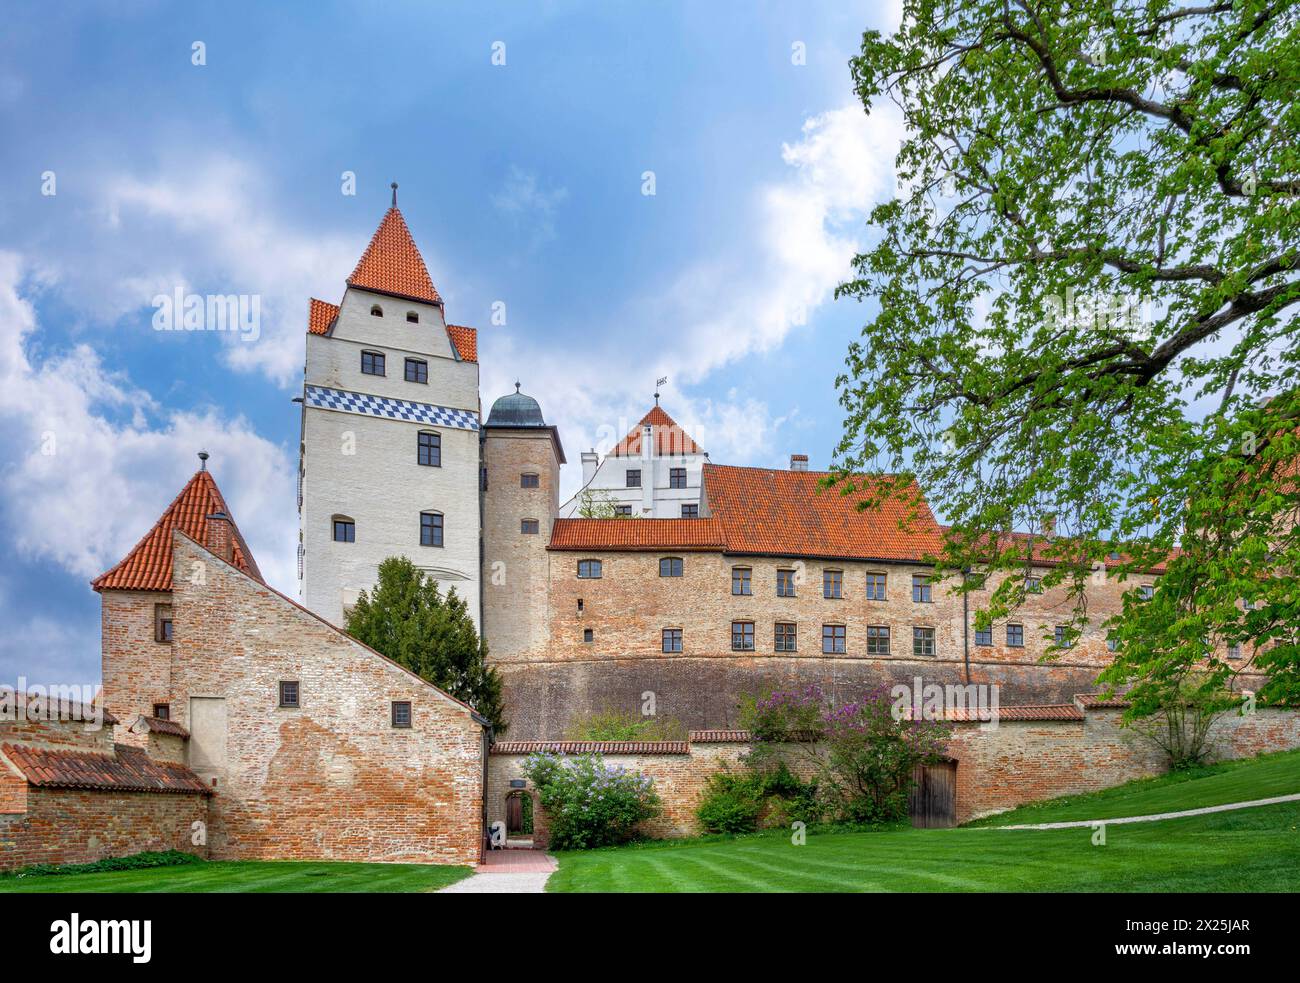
(389,460)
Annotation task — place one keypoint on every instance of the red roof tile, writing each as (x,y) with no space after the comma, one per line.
(669,437)
(465,340)
(592,747)
(392,264)
(160,726)
(149,565)
(1046,550)
(1093,701)
(320,316)
(720,737)
(636,534)
(129,769)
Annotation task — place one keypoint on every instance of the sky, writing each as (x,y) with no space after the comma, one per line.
(226,148)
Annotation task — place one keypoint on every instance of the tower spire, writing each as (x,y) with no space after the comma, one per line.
(203,460)
(394,187)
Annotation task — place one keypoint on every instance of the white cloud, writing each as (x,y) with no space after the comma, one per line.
(530,205)
(93,460)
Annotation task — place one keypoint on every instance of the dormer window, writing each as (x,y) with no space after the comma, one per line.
(412,317)
(372,363)
(376,311)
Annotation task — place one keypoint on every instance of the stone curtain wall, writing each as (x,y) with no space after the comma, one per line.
(136,667)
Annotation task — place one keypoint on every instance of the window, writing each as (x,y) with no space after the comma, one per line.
(588,635)
(670,566)
(1112,643)
(401,713)
(345,531)
(376,311)
(1234,651)
(834,638)
(1063,639)
(676,477)
(429,449)
(288,692)
(529,527)
(412,317)
(983,636)
(1033,585)
(877,640)
(622,510)
(832,583)
(785,583)
(529,480)
(740,580)
(1016,636)
(691,511)
(417,370)
(921,589)
(163,711)
(372,363)
(672,640)
(923,641)
(634,478)
(875,587)
(1146,592)
(430,529)
(589,569)
(162,622)
(785,636)
(742,636)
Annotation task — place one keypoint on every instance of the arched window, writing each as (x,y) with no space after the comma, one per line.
(376,311)
(345,529)
(430,528)
(428,449)
(670,566)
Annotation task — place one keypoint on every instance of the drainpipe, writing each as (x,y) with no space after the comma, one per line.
(488,740)
(965,624)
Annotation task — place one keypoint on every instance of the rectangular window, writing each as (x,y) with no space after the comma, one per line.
(877,640)
(983,636)
(921,589)
(1016,636)
(634,478)
(923,641)
(163,711)
(529,480)
(785,636)
(834,639)
(372,363)
(429,450)
(785,583)
(622,510)
(691,511)
(1033,585)
(417,370)
(740,581)
(430,529)
(1146,592)
(288,693)
(401,713)
(588,635)
(1234,652)
(162,622)
(589,569)
(1063,639)
(670,566)
(672,641)
(345,531)
(1112,644)
(742,636)
(676,477)
(875,587)
(832,583)
(528,527)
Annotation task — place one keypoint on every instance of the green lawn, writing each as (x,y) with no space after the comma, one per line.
(1248,850)
(255,877)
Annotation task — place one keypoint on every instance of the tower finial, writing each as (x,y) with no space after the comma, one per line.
(516,385)
(394,187)
(203,460)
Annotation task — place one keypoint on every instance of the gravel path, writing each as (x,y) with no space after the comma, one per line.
(1080,823)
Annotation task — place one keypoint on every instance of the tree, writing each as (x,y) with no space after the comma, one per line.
(596,503)
(1085,310)
(407,619)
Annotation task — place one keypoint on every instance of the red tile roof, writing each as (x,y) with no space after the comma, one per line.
(465,341)
(149,565)
(1045,550)
(1094,701)
(392,264)
(160,726)
(592,747)
(129,769)
(669,437)
(637,534)
(1053,711)
(320,316)
(720,737)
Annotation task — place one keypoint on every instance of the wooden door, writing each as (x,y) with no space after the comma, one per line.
(514,814)
(933,802)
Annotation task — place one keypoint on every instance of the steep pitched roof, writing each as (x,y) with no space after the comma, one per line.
(636,534)
(392,264)
(149,565)
(465,341)
(320,316)
(668,436)
(128,769)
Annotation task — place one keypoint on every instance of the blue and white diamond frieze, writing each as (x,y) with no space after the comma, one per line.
(393,409)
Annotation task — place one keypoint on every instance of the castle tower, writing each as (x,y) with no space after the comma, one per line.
(521,478)
(390,433)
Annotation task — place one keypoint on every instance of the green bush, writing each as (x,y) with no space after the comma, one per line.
(587,804)
(620,725)
(741,802)
(136,861)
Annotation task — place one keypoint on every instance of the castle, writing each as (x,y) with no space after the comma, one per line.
(231,708)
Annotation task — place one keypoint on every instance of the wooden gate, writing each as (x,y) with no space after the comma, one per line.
(933,802)
(515,813)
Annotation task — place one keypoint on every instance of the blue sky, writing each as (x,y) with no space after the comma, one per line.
(522,184)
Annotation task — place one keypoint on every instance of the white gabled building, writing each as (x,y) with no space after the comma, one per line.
(652,473)
(390,454)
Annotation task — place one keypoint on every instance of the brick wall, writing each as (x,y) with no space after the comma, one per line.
(69,735)
(331,779)
(136,668)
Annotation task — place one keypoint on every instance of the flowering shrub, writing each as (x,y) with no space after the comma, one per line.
(863,754)
(741,802)
(589,804)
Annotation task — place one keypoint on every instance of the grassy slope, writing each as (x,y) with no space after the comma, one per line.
(256,877)
(1233,781)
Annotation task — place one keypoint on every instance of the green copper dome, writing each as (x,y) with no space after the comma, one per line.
(515,410)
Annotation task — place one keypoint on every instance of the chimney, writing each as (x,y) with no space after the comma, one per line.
(221,536)
(647,442)
(589,461)
(798,462)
